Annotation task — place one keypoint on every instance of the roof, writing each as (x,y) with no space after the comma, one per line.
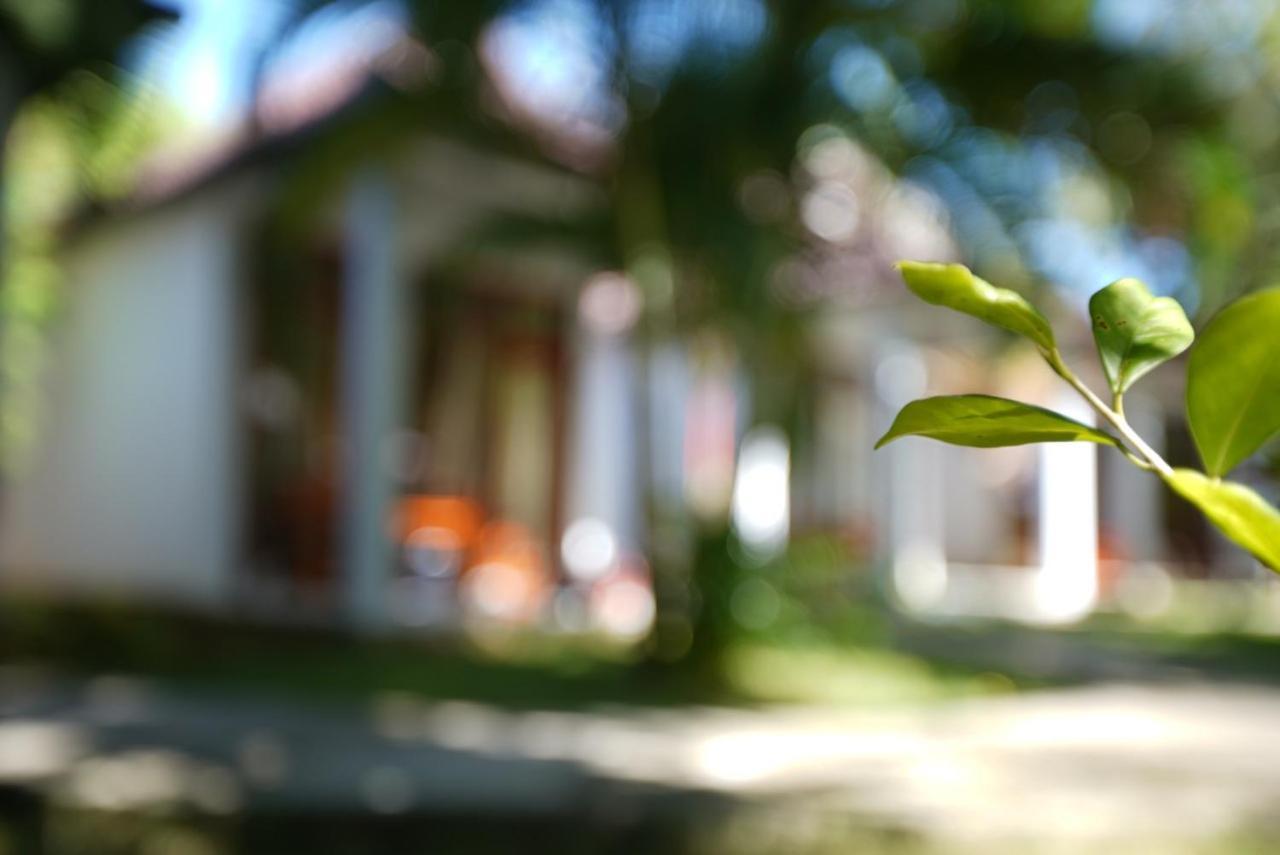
(291,116)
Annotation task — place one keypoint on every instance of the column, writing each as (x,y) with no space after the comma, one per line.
(372,364)
(1067,581)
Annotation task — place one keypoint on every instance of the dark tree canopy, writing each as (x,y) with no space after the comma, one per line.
(41,41)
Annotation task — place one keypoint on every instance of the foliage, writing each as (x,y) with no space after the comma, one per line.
(64,134)
(1233,390)
(1233,382)
(1241,513)
(77,143)
(1135,332)
(956,288)
(984,421)
(41,42)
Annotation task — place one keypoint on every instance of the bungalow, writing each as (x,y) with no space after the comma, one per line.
(379,429)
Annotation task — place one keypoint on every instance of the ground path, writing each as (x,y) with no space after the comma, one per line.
(1183,761)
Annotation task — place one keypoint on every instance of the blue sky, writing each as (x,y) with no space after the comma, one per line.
(204,61)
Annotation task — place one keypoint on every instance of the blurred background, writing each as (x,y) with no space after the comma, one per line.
(434,426)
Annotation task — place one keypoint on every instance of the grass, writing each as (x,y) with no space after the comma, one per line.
(855,658)
(850,664)
(862,676)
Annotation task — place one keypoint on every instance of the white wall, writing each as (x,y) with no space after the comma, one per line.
(133,488)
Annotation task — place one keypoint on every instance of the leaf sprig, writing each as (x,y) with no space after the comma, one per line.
(1233,388)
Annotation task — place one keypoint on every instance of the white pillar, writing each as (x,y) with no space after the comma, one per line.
(668,398)
(604,488)
(916,513)
(372,362)
(1067,578)
(1136,500)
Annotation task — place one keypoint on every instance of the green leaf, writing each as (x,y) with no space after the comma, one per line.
(984,421)
(1237,511)
(954,286)
(1135,331)
(1233,382)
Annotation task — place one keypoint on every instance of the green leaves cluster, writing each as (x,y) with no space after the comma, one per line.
(1135,332)
(1233,382)
(954,286)
(985,421)
(1233,388)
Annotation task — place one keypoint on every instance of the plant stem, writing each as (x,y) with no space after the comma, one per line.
(1115,417)
(1135,459)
